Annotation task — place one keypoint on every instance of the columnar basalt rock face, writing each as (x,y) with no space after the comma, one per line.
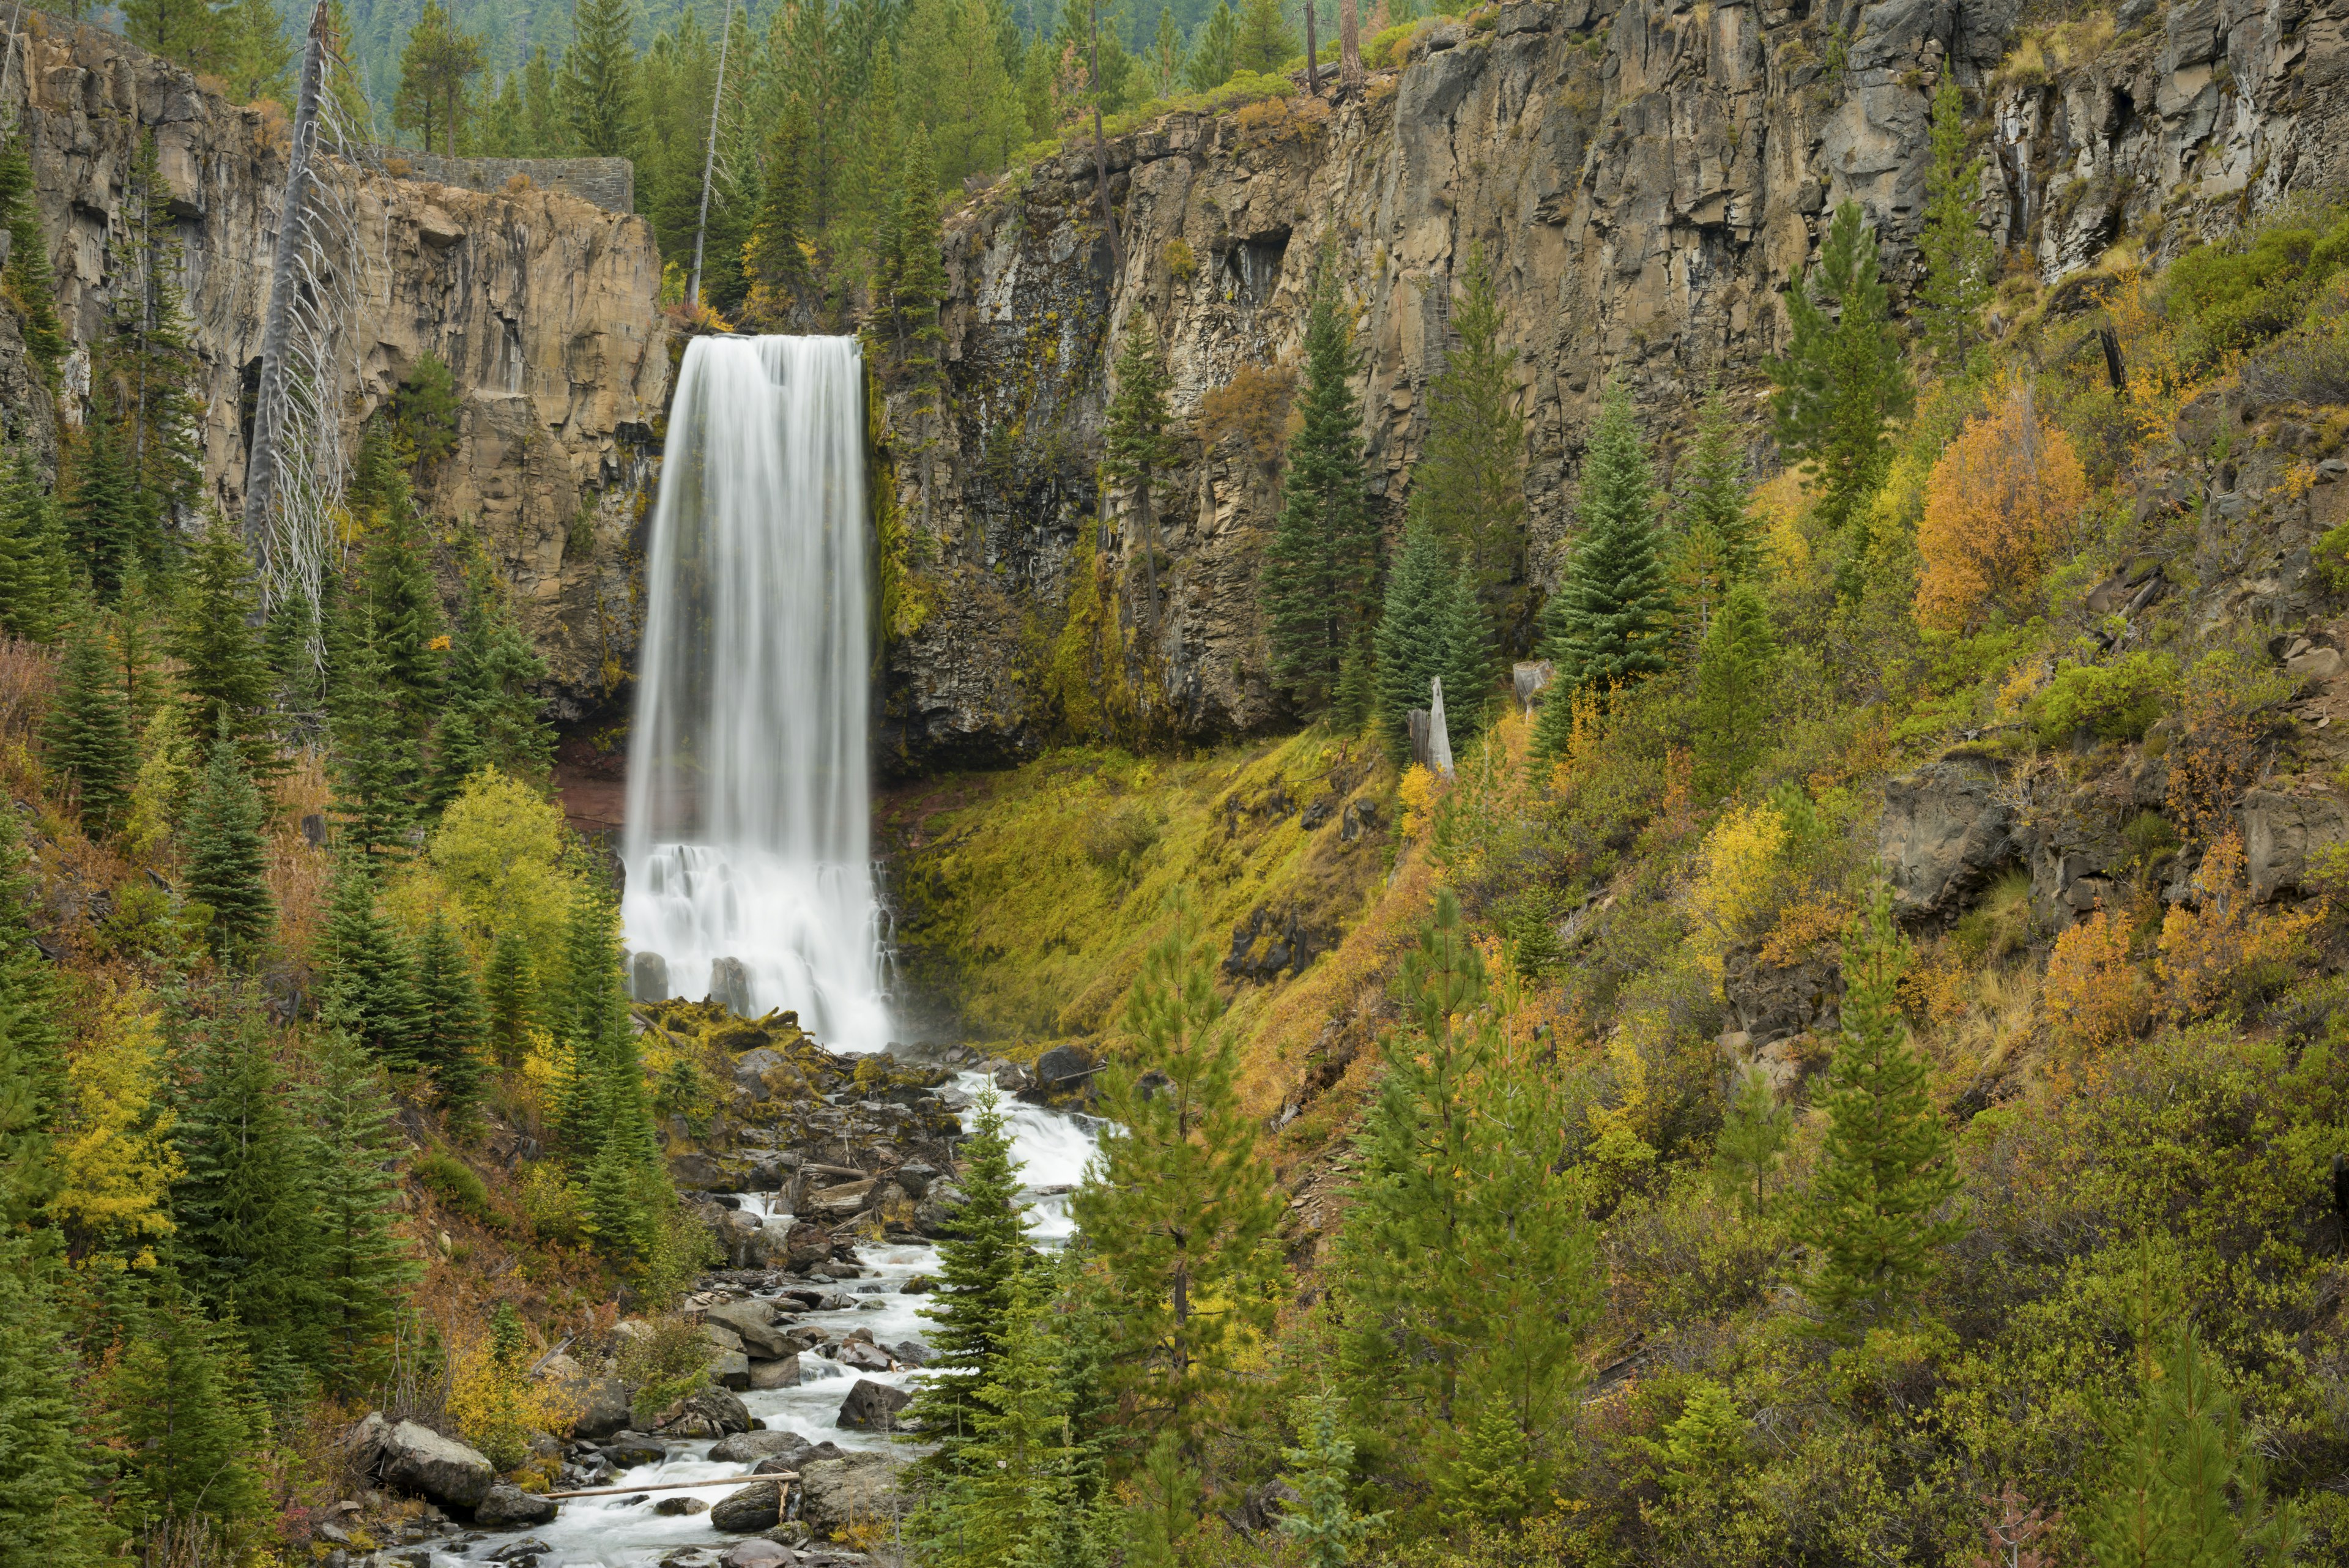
(543,305)
(1643,180)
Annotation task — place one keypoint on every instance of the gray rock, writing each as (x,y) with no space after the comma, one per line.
(411,1458)
(779,1464)
(859,1356)
(837,1494)
(756,1553)
(754,1323)
(751,1071)
(681,1507)
(744,1448)
(1062,1068)
(912,1352)
(723,1337)
(528,1546)
(2284,835)
(1944,835)
(756,1507)
(1771,1004)
(872,1407)
(705,1413)
(648,977)
(729,982)
(781,1372)
(508,1507)
(917,1179)
(625,1450)
(731,1370)
(600,1401)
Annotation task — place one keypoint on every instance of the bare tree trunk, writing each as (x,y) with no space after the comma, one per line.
(268,403)
(1100,149)
(1149,559)
(1350,49)
(1312,50)
(710,159)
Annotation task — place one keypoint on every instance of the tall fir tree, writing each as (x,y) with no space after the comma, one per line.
(1179,1209)
(374,761)
(227,859)
(1842,378)
(256,55)
(182,1420)
(1427,630)
(1262,42)
(437,66)
(1321,1470)
(1609,623)
(1214,43)
(224,680)
(403,619)
(599,79)
(449,1021)
(32,1046)
(1735,718)
(1887,1167)
(490,717)
(1959,256)
(87,736)
(1717,544)
(366,971)
(1320,572)
(360,1260)
(48,1504)
(1468,1268)
(29,287)
(103,523)
(509,995)
(35,575)
(245,1204)
(1753,1141)
(1469,487)
(772,257)
(1139,445)
(188,31)
(979,1260)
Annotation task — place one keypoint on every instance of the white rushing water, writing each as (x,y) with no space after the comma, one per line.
(748,831)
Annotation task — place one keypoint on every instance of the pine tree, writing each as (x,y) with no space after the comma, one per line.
(1357,695)
(1165,55)
(1958,256)
(227,856)
(971,106)
(224,680)
(1469,487)
(182,1421)
(1319,1470)
(1753,1140)
(589,1010)
(490,718)
(49,1513)
(1214,43)
(1426,630)
(102,524)
(366,973)
(1841,379)
(449,1017)
(1734,718)
(245,1204)
(373,760)
(1717,533)
(1320,572)
(1468,1268)
(32,1047)
(35,577)
(777,266)
(404,623)
(979,1258)
(359,1259)
(599,79)
(511,993)
(1886,1169)
(1262,42)
(1608,623)
(188,31)
(27,282)
(88,736)
(256,55)
(1139,444)
(1179,1209)
(436,65)
(1468,672)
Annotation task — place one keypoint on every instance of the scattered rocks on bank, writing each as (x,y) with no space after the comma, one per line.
(758,1506)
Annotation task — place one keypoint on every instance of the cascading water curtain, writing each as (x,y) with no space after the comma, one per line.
(749,836)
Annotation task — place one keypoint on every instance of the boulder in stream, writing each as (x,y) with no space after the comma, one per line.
(508,1507)
(835,1495)
(411,1458)
(872,1407)
(758,1506)
(753,1322)
(743,1447)
(625,1450)
(704,1413)
(783,1372)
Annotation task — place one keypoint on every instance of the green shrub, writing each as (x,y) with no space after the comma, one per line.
(667,1362)
(457,1184)
(424,409)
(2111,701)
(2230,298)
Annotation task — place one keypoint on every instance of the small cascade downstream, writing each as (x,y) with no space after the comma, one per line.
(751,877)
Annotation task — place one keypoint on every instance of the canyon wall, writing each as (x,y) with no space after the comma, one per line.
(1643,181)
(543,304)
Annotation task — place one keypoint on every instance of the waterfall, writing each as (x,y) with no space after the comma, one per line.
(748,843)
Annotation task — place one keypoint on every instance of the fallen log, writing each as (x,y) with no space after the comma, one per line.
(674,1486)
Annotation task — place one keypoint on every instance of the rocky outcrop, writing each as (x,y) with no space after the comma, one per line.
(541,304)
(756,1507)
(1944,834)
(1642,179)
(2284,835)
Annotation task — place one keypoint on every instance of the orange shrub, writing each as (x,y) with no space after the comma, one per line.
(2222,944)
(1254,406)
(2000,501)
(2096,997)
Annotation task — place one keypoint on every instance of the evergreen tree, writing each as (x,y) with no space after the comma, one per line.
(599,79)
(366,973)
(1428,629)
(1138,444)
(970,107)
(1608,623)
(32,1047)
(188,31)
(777,266)
(49,1513)
(1752,1140)
(88,736)
(403,618)
(224,680)
(1841,379)
(1262,42)
(35,577)
(373,760)
(1469,487)
(490,718)
(256,55)
(1178,1209)
(1468,1268)
(1469,670)
(449,1020)
(359,1259)
(1886,1169)
(1165,54)
(1717,533)
(1214,43)
(587,1013)
(510,995)
(27,282)
(1958,256)
(183,1423)
(1357,695)
(227,856)
(1734,718)
(247,1240)
(1319,1470)
(436,68)
(103,523)
(979,1257)
(155,354)
(1320,571)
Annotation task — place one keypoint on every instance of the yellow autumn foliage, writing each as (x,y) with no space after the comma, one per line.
(497,856)
(2095,995)
(115,1149)
(1738,880)
(2222,942)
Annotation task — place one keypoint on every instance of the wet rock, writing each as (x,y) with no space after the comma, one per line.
(705,1413)
(1944,835)
(912,1352)
(415,1458)
(743,1447)
(872,1407)
(1063,1069)
(753,1321)
(508,1507)
(678,1507)
(648,977)
(528,1546)
(756,1553)
(781,1373)
(836,1493)
(625,1450)
(758,1506)
(781,1464)
(731,1370)
(918,1285)
(729,984)
(859,1357)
